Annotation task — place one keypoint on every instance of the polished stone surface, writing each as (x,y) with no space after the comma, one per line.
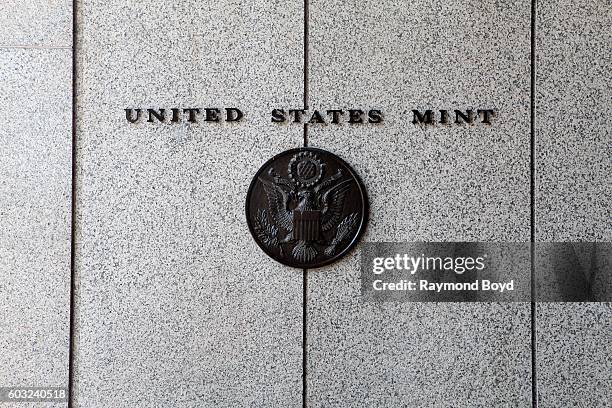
(409,354)
(36,23)
(573,351)
(440,183)
(574,191)
(35,180)
(175,303)
(574,177)
(177,306)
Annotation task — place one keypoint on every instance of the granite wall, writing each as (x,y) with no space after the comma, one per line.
(176,306)
(574,191)
(35,193)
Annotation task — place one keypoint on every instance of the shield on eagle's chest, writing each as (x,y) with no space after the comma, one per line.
(306,225)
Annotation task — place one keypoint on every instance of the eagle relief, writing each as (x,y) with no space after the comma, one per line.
(306,207)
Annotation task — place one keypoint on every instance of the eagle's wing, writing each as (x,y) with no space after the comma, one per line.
(332,204)
(278,199)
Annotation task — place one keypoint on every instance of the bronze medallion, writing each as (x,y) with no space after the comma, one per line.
(306,207)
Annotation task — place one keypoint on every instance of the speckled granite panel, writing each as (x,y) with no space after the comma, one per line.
(35,179)
(573,352)
(574,190)
(177,306)
(36,23)
(436,183)
(574,176)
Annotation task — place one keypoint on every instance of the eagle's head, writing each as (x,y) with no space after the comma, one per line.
(306,200)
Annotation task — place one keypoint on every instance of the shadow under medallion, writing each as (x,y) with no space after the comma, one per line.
(306,208)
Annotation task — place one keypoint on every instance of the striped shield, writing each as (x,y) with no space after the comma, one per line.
(306,225)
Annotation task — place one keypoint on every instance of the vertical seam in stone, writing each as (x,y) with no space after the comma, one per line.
(306,54)
(305,271)
(71,341)
(534,382)
(306,68)
(304,334)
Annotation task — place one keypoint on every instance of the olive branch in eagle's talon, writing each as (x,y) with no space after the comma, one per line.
(344,229)
(266,232)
